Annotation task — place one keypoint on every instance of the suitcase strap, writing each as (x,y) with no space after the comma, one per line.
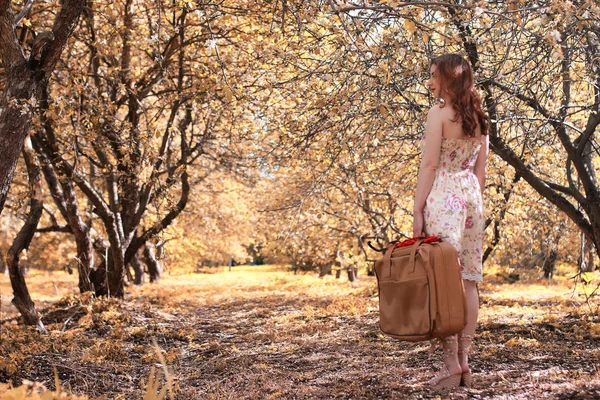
(439,255)
(387,259)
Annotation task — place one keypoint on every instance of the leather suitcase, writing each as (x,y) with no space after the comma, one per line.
(421,294)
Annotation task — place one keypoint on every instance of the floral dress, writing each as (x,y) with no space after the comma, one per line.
(454,207)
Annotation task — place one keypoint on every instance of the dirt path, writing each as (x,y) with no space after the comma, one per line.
(263,334)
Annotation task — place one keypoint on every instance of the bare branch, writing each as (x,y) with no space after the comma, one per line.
(23,12)
(64,24)
(55,228)
(592,124)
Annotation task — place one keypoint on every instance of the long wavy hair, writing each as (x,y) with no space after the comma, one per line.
(456,77)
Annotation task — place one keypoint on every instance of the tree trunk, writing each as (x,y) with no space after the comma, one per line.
(351,273)
(155,269)
(496,239)
(83,241)
(22,299)
(24,78)
(63,194)
(588,160)
(98,279)
(116,272)
(139,276)
(549,263)
(587,250)
(15,119)
(107,278)
(324,270)
(371,270)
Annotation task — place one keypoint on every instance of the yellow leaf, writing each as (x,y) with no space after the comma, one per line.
(409,25)
(228,93)
(595,331)
(383,111)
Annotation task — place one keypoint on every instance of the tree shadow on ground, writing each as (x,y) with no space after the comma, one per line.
(293,346)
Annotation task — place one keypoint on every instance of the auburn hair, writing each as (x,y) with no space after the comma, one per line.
(456,78)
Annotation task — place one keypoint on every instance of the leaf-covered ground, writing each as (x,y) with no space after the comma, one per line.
(264,333)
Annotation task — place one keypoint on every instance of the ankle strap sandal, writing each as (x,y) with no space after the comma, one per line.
(464,347)
(446,380)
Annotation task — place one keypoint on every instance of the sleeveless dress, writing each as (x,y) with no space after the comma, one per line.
(454,207)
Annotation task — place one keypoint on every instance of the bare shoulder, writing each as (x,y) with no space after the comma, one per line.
(436,112)
(436,109)
(444,112)
(435,123)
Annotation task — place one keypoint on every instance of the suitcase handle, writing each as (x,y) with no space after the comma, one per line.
(387,259)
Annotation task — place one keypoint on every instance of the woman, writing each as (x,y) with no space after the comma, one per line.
(448,200)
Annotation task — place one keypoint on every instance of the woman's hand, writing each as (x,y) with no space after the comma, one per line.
(418,222)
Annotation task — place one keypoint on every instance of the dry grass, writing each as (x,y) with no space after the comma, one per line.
(262,332)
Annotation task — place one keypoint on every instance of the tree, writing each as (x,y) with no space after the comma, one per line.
(26,78)
(357,74)
(22,299)
(124,132)
(135,169)
(569,117)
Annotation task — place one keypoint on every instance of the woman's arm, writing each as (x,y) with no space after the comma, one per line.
(429,164)
(430,158)
(481,163)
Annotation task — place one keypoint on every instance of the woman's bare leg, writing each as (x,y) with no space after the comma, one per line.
(450,374)
(472,297)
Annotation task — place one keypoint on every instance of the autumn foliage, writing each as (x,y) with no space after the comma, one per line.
(168,139)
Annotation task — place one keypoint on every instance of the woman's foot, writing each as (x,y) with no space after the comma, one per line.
(451,373)
(464,346)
